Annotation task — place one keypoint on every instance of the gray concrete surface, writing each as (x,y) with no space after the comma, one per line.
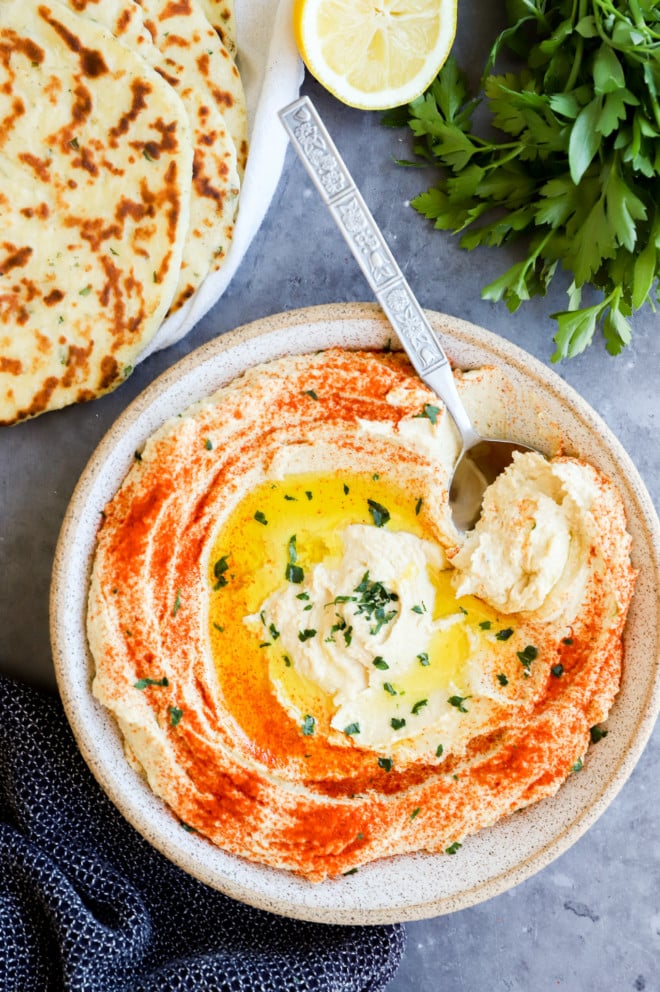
(590,922)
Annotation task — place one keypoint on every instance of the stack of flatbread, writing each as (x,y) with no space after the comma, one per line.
(123,141)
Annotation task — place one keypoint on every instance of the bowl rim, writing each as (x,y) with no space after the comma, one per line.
(186,851)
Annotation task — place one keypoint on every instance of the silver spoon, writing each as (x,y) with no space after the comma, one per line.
(481,459)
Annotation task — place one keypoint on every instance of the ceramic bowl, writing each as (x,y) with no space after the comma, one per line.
(412,886)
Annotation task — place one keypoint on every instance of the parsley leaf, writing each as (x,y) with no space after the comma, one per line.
(379,513)
(458,702)
(293,573)
(175,715)
(308,726)
(143,683)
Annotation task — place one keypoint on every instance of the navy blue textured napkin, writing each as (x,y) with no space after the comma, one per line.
(87,905)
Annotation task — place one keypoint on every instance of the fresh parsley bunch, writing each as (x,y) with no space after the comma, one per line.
(574,165)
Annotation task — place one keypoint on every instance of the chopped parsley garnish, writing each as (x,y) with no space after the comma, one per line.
(418,506)
(375,476)
(597,734)
(419,705)
(502,679)
(578,766)
(286,660)
(567,640)
(415,812)
(219,569)
(485,625)
(85,291)
(208,444)
(219,627)
(265,644)
(310,393)
(557,671)
(397,723)
(351,871)
(505,634)
(346,490)
(260,518)
(177,602)
(304,635)
(290,498)
(388,687)
(137,455)
(438,751)
(380,663)
(430,412)
(463,610)
(336,628)
(420,609)
(352,729)
(308,726)
(373,598)
(308,493)
(188,828)
(293,573)
(302,595)
(379,513)
(273,631)
(453,848)
(527,656)
(143,683)
(175,715)
(386,764)
(458,701)
(74,141)
(423,659)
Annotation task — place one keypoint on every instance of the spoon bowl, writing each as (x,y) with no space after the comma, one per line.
(477,467)
(481,459)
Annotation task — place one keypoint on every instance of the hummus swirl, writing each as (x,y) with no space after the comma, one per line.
(307,662)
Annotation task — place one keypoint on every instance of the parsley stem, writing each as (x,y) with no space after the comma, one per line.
(575,68)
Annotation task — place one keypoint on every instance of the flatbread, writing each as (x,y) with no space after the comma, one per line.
(95,180)
(216,183)
(192,48)
(222,18)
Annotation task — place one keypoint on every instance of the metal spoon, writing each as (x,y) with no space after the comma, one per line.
(481,459)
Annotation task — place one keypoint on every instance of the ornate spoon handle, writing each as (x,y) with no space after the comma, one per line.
(353,218)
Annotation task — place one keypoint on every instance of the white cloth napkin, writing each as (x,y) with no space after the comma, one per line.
(272,72)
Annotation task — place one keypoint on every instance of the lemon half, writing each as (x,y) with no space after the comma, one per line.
(374,54)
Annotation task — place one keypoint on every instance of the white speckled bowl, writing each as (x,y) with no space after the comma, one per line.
(401,888)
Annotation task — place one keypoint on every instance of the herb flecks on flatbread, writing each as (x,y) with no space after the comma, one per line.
(193,49)
(96,164)
(216,182)
(122,145)
(222,18)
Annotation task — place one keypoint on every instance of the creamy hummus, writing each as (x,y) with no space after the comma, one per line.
(307,662)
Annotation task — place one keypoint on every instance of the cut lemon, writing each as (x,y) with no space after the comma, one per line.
(374,54)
